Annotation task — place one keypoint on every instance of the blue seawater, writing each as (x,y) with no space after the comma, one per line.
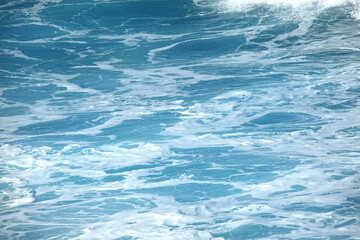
(180,119)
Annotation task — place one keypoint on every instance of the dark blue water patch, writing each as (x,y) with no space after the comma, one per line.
(337,177)
(77,180)
(303,67)
(69,124)
(269,216)
(218,86)
(254,163)
(253,231)
(72,15)
(68,96)
(30,32)
(252,168)
(229,158)
(288,42)
(309,238)
(4,186)
(8,80)
(349,172)
(57,175)
(23,227)
(13,111)
(247,199)
(148,127)
(308,208)
(197,153)
(273,130)
(93,209)
(354,199)
(340,237)
(173,172)
(113,178)
(65,180)
(192,192)
(64,203)
(329,56)
(112,208)
(57,54)
(95,49)
(45,197)
(346,223)
(241,71)
(205,90)
(321,29)
(252,48)
(42,52)
(255,178)
(59,141)
(264,37)
(64,215)
(354,90)
(218,174)
(9,212)
(204,47)
(284,118)
(202,24)
(342,105)
(344,174)
(125,238)
(11,5)
(96,80)
(275,31)
(204,171)
(114,202)
(328,88)
(349,132)
(131,168)
(278,123)
(139,9)
(14,64)
(113,15)
(113,196)
(350,209)
(31,94)
(295,188)
(53,231)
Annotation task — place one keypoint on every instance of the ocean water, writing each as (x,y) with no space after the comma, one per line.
(180,119)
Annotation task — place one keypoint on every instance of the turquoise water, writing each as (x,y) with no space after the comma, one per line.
(154,119)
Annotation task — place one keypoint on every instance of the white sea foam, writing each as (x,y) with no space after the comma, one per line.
(81,187)
(240,5)
(18,54)
(170,219)
(303,8)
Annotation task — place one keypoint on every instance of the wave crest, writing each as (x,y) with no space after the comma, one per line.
(304,7)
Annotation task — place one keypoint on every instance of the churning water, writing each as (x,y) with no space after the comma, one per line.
(180,119)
